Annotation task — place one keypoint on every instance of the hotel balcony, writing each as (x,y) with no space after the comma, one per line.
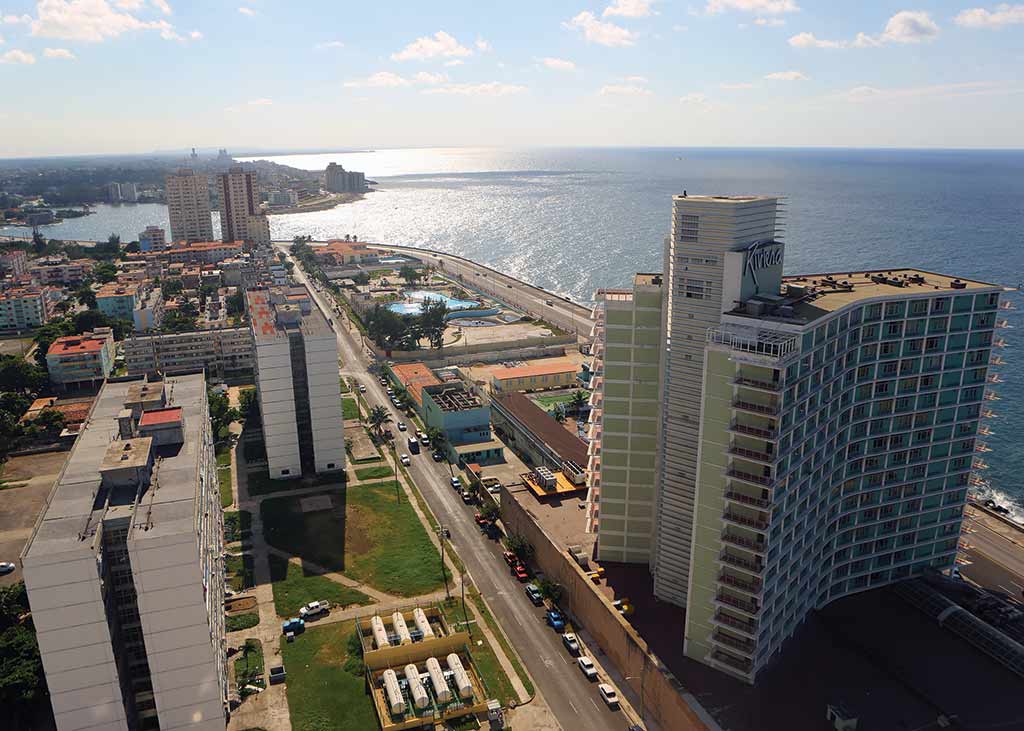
(597,349)
(744,522)
(749,587)
(717,657)
(1002,323)
(739,497)
(752,454)
(994,378)
(745,543)
(769,386)
(594,464)
(990,396)
(594,448)
(985,431)
(594,430)
(988,414)
(996,360)
(759,409)
(999,343)
(596,399)
(751,567)
(745,646)
(732,602)
(754,431)
(980,464)
(726,620)
(982,447)
(750,478)
(596,382)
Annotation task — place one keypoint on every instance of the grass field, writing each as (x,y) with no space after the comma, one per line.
(239,572)
(237,525)
(375,473)
(349,408)
(241,621)
(371,534)
(486,661)
(294,588)
(249,668)
(550,402)
(259,483)
(326,687)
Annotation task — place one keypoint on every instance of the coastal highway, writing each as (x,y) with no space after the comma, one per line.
(573,700)
(995,552)
(565,314)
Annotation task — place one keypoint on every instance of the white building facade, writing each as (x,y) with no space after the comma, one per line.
(188,206)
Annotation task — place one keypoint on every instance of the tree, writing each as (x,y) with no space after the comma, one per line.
(235,303)
(45,335)
(438,440)
(377,418)
(86,297)
(409,274)
(386,328)
(432,321)
(517,544)
(47,425)
(87,320)
(559,414)
(490,511)
(171,288)
(249,403)
(22,684)
(20,376)
(38,242)
(221,413)
(578,400)
(132,247)
(550,589)
(105,272)
(13,403)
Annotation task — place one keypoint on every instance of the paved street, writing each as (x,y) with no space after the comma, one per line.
(573,700)
(995,553)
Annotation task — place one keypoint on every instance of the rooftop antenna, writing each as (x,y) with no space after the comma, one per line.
(684,192)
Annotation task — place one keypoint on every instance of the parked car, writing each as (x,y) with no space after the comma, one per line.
(510,558)
(468,497)
(277,674)
(402,426)
(571,643)
(456,483)
(362,388)
(587,667)
(293,625)
(519,571)
(534,595)
(404,459)
(424,439)
(481,520)
(438,455)
(6,567)
(608,695)
(314,609)
(556,619)
(391,391)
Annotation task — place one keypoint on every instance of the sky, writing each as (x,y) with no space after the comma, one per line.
(132,76)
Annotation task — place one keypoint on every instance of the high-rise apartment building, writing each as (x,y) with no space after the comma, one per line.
(153,238)
(188,205)
(624,419)
(240,216)
(296,357)
(339,180)
(124,567)
(818,432)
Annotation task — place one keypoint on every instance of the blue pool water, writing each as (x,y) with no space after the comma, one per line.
(415,300)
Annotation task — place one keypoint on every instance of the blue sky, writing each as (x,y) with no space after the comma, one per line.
(104,76)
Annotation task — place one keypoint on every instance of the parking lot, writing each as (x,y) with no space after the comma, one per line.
(20,506)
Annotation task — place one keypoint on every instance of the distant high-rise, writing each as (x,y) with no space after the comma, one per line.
(188,205)
(339,180)
(153,238)
(240,216)
(114,192)
(129,193)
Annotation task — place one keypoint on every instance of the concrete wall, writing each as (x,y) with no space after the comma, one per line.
(277,407)
(523,348)
(663,697)
(325,402)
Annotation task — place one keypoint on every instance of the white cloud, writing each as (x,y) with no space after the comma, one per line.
(90,20)
(760,7)
(624,90)
(16,56)
(600,32)
(196,35)
(381,79)
(867,94)
(490,88)
(454,62)
(629,9)
(129,4)
(694,98)
(558,64)
(482,45)
(246,11)
(680,28)
(738,86)
(907,26)
(260,102)
(17,19)
(425,78)
(328,44)
(770,22)
(635,79)
(1002,16)
(162,6)
(440,44)
(62,53)
(787,76)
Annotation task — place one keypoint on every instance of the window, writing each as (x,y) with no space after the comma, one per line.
(697,289)
(688,228)
(330,465)
(286,472)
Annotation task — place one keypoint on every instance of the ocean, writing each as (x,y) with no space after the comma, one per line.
(573,220)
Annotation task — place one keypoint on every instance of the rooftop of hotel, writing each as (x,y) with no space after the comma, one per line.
(276,310)
(648,279)
(76,504)
(808,297)
(114,289)
(169,415)
(725,199)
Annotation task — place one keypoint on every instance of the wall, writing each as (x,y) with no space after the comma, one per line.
(664,699)
(485,352)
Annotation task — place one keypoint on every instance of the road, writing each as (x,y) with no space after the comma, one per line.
(573,700)
(996,553)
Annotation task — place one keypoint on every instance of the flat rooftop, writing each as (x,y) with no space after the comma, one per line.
(296,306)
(561,516)
(648,279)
(167,507)
(540,369)
(454,397)
(725,199)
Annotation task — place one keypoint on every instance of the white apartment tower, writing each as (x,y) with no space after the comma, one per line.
(124,567)
(296,358)
(240,216)
(188,206)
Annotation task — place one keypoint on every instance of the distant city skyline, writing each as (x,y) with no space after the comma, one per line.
(137,76)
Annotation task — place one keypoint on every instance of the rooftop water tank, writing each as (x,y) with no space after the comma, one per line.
(416,689)
(461,676)
(380,635)
(395,700)
(441,690)
(401,629)
(422,623)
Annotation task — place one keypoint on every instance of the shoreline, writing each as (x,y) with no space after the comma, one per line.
(338,199)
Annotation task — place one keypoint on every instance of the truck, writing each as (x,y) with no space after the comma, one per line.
(414,445)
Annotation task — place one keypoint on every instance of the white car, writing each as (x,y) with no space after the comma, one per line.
(314,609)
(571,643)
(404,459)
(6,567)
(401,426)
(587,667)
(608,695)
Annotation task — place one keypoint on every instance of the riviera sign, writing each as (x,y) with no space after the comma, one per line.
(762,255)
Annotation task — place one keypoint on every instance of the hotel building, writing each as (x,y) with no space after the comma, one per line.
(818,432)
(124,570)
(240,216)
(296,358)
(188,206)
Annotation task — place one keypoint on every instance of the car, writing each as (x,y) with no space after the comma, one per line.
(456,483)
(468,497)
(293,625)
(438,455)
(424,439)
(314,609)
(510,558)
(608,695)
(396,403)
(556,619)
(277,674)
(404,459)
(587,667)
(362,388)
(534,595)
(519,571)
(6,567)
(571,643)
(481,519)
(402,426)
(391,391)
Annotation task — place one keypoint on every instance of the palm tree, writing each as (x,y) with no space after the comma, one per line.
(378,418)
(578,400)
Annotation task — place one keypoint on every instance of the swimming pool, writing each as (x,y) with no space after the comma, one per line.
(414,300)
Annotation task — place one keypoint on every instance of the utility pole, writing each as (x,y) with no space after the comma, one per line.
(444,576)
(462,580)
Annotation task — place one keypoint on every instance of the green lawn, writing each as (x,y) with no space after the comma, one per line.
(375,473)
(294,588)
(550,402)
(498,685)
(259,483)
(370,534)
(349,408)
(326,687)
(241,621)
(239,572)
(237,525)
(249,668)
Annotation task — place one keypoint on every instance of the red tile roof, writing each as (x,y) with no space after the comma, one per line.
(540,369)
(169,415)
(75,344)
(414,376)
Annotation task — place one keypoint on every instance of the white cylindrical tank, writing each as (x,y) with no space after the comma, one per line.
(461,676)
(422,623)
(441,690)
(401,629)
(380,635)
(395,700)
(416,689)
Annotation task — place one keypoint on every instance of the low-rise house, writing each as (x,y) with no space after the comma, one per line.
(118,301)
(59,270)
(22,308)
(534,377)
(76,360)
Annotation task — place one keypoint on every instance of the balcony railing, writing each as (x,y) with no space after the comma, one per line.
(751,523)
(740,563)
(745,646)
(751,454)
(749,627)
(748,607)
(747,500)
(726,659)
(735,540)
(754,431)
(774,386)
(763,409)
(751,587)
(749,477)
